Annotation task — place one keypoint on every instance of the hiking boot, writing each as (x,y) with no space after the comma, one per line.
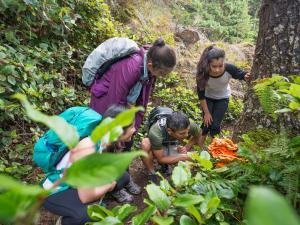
(133,188)
(165,169)
(154,178)
(58,221)
(122,196)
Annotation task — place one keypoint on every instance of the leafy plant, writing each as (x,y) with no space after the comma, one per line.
(25,200)
(276,93)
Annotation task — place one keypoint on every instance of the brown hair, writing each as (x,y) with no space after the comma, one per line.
(161,55)
(210,53)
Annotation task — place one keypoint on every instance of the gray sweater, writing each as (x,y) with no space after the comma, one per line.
(218,87)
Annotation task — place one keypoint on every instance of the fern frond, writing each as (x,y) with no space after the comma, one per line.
(268,99)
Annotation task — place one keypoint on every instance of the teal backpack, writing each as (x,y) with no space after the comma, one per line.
(49,149)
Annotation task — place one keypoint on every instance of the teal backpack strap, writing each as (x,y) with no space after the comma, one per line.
(137,88)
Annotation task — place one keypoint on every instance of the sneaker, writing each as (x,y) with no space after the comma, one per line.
(154,178)
(133,188)
(58,221)
(122,196)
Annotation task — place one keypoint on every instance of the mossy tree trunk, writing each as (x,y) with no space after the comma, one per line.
(277,52)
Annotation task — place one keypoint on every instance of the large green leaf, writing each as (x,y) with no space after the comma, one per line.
(180,175)
(99,169)
(266,207)
(109,221)
(9,184)
(143,217)
(162,220)
(185,200)
(18,199)
(14,206)
(122,212)
(157,196)
(98,212)
(186,220)
(125,118)
(66,132)
(110,125)
(194,212)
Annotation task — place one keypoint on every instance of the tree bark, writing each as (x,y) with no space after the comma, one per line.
(277,52)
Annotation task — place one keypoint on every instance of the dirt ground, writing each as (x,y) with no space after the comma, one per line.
(138,173)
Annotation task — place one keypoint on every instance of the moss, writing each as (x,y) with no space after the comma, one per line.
(262,137)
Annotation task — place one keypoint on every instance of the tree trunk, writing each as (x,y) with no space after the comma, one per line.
(277,52)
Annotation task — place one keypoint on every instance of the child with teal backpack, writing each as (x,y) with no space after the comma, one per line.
(53,157)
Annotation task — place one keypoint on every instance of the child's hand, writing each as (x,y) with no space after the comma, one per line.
(207,119)
(248,77)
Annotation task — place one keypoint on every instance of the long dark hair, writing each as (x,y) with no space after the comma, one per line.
(161,55)
(210,53)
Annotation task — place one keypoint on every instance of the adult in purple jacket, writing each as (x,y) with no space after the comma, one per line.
(115,86)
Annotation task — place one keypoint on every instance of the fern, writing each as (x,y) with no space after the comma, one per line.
(267,96)
(278,166)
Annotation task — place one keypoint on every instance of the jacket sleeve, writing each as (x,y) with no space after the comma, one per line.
(235,72)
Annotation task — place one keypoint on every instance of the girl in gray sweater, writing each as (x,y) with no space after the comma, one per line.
(213,76)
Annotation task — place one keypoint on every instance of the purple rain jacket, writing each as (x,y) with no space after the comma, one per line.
(115,84)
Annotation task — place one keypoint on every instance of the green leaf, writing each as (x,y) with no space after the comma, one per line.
(295,90)
(294,105)
(9,70)
(122,212)
(203,159)
(9,184)
(125,118)
(111,127)
(210,204)
(225,223)
(186,220)
(2,55)
(194,212)
(205,155)
(265,206)
(180,176)
(109,221)
(284,110)
(95,213)
(66,132)
(2,90)
(2,77)
(162,220)
(11,80)
(225,193)
(143,217)
(185,200)
(14,205)
(219,216)
(99,169)
(159,198)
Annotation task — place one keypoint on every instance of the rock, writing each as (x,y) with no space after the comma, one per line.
(187,36)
